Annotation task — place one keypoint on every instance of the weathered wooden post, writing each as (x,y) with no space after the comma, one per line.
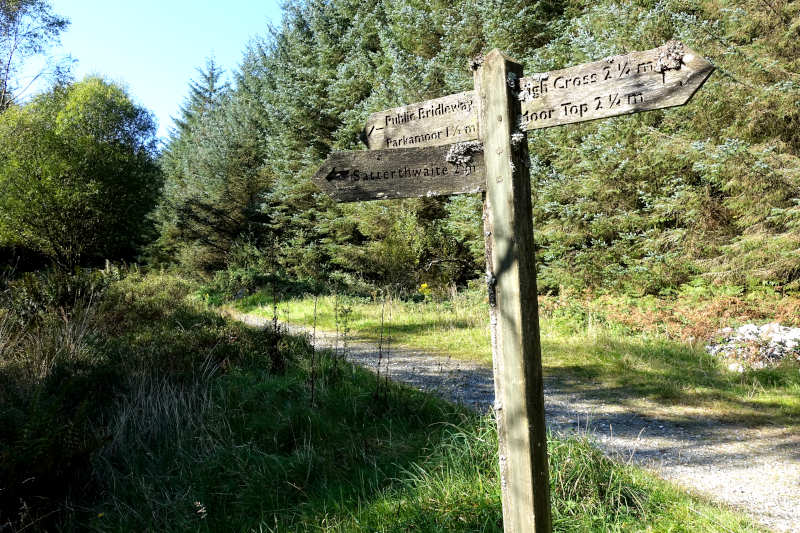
(514,315)
(475,142)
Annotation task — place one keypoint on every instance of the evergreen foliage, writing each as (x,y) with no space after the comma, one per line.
(640,203)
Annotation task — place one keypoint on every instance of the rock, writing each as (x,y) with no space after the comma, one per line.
(748,332)
(756,346)
(793,334)
(736,367)
(771,330)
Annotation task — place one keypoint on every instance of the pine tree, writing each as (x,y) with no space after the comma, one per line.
(642,203)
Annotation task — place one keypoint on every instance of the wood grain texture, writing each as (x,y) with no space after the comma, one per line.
(437,122)
(640,81)
(404,173)
(511,272)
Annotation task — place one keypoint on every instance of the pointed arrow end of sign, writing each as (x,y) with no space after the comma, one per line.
(697,70)
(320,177)
(695,61)
(363,136)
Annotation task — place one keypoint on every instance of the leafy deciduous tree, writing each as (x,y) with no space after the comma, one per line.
(27,27)
(78,174)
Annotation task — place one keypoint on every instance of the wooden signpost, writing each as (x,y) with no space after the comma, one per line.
(667,76)
(402,173)
(446,120)
(412,154)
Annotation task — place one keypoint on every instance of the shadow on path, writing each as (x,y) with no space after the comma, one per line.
(753,467)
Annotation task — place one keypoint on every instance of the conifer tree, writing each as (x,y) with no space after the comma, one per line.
(642,203)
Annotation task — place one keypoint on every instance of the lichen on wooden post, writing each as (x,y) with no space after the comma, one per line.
(511,280)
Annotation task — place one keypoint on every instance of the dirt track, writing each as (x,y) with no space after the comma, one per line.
(754,469)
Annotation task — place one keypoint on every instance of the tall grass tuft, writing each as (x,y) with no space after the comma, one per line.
(159,429)
(51,378)
(457,488)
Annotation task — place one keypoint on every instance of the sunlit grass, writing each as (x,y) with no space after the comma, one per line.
(458,328)
(214,426)
(582,343)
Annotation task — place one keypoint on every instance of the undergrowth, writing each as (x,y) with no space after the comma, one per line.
(648,348)
(138,409)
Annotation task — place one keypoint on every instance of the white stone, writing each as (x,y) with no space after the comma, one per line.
(736,367)
(771,330)
(748,331)
(793,334)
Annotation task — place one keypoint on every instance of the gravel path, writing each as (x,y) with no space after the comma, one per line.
(754,469)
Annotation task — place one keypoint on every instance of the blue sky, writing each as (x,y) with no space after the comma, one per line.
(154,47)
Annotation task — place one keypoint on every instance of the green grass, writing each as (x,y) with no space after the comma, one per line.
(162,416)
(586,348)
(459,328)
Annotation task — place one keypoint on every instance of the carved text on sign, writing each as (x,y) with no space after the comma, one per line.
(460,149)
(406,173)
(640,81)
(445,120)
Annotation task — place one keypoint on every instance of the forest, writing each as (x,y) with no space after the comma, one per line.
(120,252)
(706,193)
